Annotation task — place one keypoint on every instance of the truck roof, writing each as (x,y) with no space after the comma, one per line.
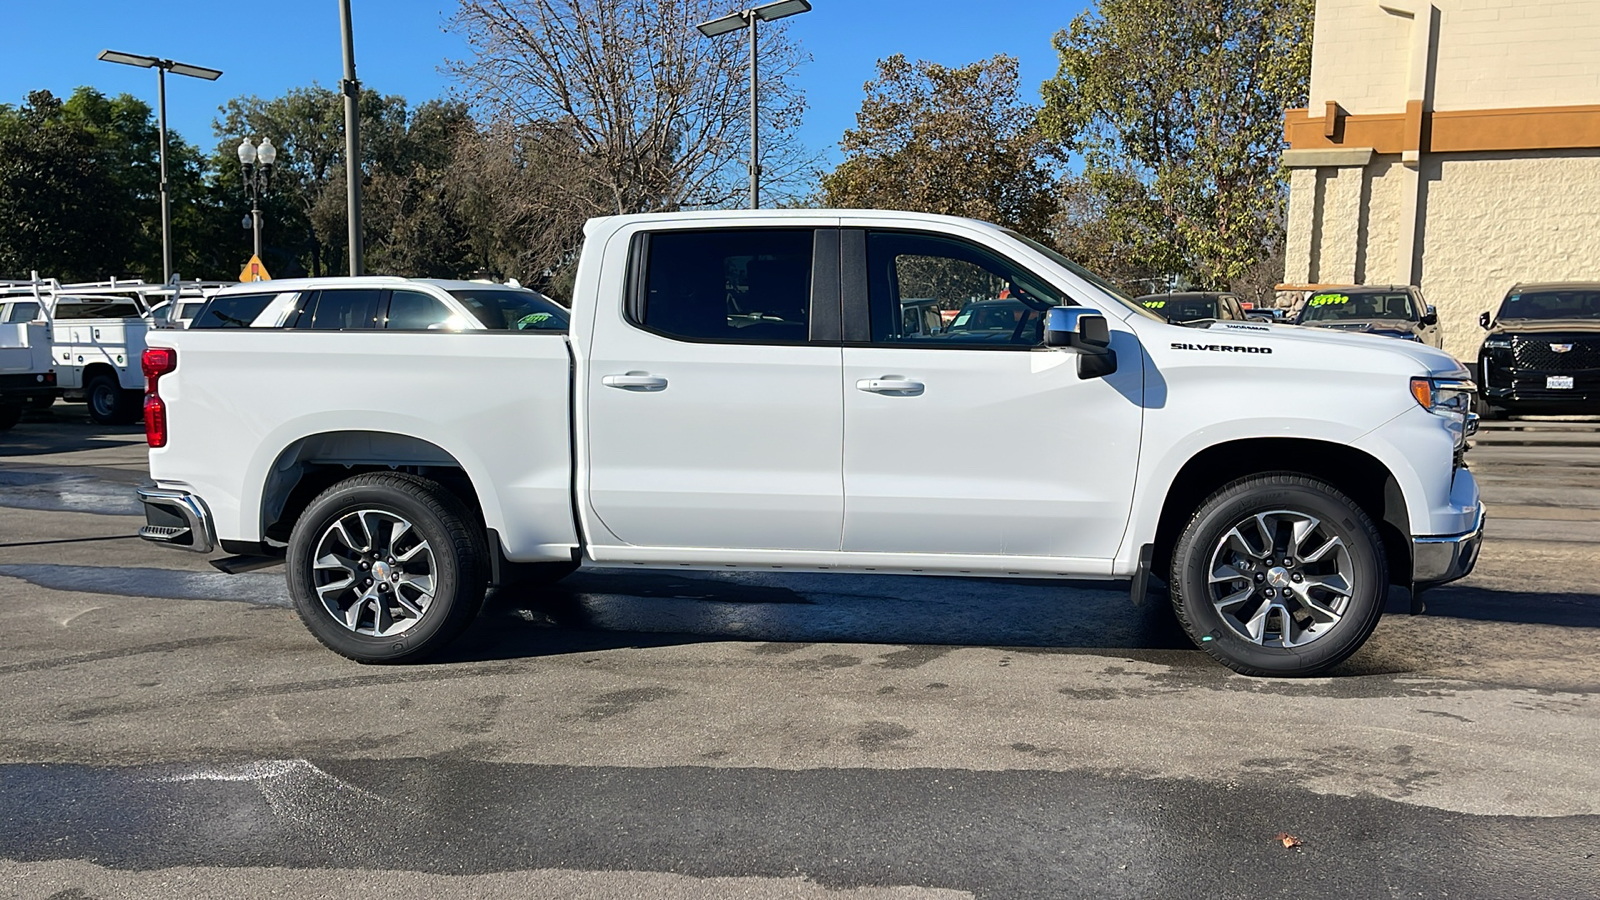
(346,281)
(767,215)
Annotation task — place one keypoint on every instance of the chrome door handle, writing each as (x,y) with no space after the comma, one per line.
(635,381)
(895,386)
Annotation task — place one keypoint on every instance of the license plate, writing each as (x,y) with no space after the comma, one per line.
(1558,382)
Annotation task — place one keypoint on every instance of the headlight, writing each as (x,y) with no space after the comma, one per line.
(1445,396)
(1497,344)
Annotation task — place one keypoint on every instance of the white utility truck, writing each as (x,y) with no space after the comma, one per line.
(740,390)
(27,377)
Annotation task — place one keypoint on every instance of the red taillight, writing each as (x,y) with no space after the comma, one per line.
(156,362)
(155,421)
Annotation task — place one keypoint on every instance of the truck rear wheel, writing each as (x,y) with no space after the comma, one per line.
(10,415)
(109,404)
(386,567)
(1279,574)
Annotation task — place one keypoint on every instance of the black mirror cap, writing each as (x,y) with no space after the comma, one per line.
(1097,365)
(1094,331)
(1433,319)
(1483,319)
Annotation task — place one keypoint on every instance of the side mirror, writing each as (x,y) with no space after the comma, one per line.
(1432,318)
(1483,320)
(1084,332)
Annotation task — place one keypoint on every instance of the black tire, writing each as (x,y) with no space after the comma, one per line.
(42,402)
(109,404)
(10,415)
(459,569)
(1237,504)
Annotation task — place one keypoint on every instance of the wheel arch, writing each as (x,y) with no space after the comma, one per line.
(1357,474)
(96,369)
(310,465)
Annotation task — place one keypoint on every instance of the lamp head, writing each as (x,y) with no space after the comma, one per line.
(247,152)
(267,153)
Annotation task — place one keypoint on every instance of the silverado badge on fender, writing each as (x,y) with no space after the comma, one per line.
(1220,348)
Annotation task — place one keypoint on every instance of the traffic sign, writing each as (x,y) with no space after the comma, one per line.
(254,271)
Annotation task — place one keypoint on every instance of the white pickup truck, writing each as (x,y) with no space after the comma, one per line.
(741,390)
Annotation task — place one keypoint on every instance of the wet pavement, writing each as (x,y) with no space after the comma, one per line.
(686,734)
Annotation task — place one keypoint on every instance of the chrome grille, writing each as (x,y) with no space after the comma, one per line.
(1532,353)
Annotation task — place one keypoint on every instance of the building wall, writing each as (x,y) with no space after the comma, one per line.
(1463,152)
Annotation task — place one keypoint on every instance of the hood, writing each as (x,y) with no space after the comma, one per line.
(1545,326)
(1431,360)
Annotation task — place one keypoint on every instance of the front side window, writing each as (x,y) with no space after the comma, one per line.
(987,299)
(22,312)
(512,309)
(747,285)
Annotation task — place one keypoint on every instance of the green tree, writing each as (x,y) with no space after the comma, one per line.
(958,141)
(79,188)
(1176,109)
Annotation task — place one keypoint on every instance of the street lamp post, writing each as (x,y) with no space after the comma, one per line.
(351,88)
(747,19)
(257,164)
(162,67)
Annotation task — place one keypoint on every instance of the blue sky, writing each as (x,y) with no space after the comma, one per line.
(268,47)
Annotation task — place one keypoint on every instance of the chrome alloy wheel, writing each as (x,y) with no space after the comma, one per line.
(374,573)
(1281,579)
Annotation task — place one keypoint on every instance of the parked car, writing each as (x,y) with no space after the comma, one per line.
(1542,352)
(995,322)
(1193,306)
(738,390)
(27,376)
(1396,311)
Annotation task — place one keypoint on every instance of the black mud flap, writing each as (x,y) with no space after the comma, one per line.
(1141,575)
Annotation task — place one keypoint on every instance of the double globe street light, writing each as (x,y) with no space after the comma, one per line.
(257,162)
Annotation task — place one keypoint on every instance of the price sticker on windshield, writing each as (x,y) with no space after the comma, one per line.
(1329,300)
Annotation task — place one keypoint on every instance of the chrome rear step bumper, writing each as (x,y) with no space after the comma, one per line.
(177,519)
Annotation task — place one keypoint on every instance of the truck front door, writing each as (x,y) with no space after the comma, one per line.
(976,441)
(714,402)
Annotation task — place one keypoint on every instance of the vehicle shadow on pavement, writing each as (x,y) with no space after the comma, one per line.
(1522,607)
(44,433)
(602,610)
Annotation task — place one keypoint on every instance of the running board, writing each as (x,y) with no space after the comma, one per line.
(233,565)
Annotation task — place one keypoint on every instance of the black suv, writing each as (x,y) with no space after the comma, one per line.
(1542,353)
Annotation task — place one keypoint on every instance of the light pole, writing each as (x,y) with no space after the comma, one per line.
(351,88)
(747,18)
(257,165)
(162,67)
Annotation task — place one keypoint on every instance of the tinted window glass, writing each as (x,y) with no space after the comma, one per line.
(1358,305)
(23,312)
(416,311)
(189,310)
(746,285)
(232,311)
(349,308)
(993,301)
(1573,304)
(95,308)
(512,309)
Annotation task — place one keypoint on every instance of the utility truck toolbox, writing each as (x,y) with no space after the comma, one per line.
(743,390)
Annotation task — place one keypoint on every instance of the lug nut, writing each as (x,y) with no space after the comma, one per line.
(391,560)
(383,585)
(363,565)
(1269,593)
(1298,577)
(1288,563)
(1260,577)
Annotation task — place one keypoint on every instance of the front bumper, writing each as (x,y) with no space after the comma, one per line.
(178,519)
(1440,560)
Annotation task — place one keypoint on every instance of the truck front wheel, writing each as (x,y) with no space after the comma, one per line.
(386,567)
(1279,574)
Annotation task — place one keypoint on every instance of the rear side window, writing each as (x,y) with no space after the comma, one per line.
(231,311)
(512,309)
(416,311)
(746,285)
(22,312)
(347,309)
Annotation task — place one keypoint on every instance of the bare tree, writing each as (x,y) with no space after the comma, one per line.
(657,113)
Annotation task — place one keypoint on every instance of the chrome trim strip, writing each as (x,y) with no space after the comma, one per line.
(191,509)
(1443,559)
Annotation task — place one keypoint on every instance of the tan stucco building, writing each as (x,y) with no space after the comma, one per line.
(1454,145)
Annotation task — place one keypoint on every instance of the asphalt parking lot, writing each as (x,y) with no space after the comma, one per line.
(166,730)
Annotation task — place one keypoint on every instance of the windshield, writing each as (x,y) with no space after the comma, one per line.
(511,309)
(1581,303)
(990,316)
(1106,287)
(1331,305)
(1183,309)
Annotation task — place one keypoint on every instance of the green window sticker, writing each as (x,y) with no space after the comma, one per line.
(532,320)
(1154,304)
(1329,300)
